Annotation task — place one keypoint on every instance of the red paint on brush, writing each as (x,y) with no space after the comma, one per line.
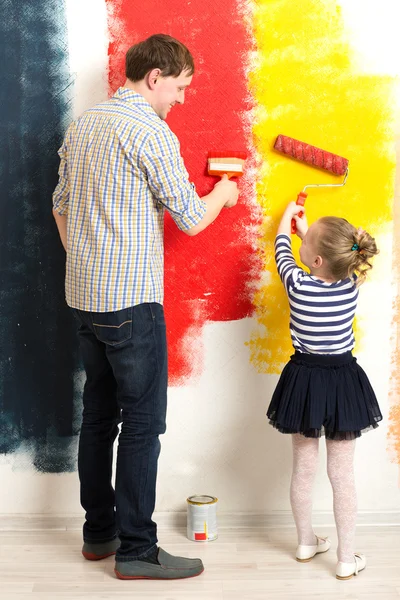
(208,277)
(312,155)
(226,154)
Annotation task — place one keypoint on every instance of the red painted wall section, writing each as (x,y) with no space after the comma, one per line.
(208,277)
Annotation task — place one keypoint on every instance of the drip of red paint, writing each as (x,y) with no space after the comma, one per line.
(208,277)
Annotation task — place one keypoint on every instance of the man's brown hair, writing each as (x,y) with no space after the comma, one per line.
(159,51)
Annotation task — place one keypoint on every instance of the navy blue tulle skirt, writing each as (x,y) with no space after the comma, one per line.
(327,395)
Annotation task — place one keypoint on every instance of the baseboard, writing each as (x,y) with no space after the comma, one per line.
(177,520)
(281,518)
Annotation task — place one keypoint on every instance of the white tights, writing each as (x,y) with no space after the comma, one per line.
(340,455)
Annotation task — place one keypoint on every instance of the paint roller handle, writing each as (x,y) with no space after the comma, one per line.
(301,198)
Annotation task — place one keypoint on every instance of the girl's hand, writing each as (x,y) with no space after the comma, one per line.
(301,224)
(291,212)
(293,209)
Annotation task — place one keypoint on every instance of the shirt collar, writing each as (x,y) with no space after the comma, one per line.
(128,95)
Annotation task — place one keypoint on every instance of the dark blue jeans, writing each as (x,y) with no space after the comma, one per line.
(125,358)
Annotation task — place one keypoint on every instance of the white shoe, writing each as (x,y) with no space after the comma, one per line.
(306,553)
(347,570)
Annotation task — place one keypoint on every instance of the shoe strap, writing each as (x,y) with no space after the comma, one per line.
(355,558)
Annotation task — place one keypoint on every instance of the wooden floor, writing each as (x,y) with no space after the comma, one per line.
(243,564)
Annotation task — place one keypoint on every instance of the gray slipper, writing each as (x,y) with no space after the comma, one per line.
(98,551)
(170,567)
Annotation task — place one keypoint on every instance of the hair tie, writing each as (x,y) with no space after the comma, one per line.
(355,247)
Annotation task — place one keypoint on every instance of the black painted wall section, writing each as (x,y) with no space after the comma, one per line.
(39,406)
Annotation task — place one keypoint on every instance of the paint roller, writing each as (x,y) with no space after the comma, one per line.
(317,158)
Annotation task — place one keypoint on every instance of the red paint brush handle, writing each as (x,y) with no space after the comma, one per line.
(301,198)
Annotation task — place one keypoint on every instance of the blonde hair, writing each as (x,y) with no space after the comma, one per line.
(346,250)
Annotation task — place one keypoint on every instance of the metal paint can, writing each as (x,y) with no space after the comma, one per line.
(202,518)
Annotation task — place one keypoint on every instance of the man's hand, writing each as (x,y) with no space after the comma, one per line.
(229,189)
(224,194)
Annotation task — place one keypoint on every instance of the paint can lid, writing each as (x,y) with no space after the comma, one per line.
(200,500)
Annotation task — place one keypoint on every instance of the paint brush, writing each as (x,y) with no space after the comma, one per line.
(229,162)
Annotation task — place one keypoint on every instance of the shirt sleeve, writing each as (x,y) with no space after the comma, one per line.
(289,272)
(61,193)
(169,181)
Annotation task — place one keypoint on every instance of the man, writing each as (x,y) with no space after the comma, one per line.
(120,169)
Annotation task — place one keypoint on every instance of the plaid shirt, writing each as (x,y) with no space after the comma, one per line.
(120,169)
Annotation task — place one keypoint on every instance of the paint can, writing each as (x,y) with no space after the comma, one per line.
(202,518)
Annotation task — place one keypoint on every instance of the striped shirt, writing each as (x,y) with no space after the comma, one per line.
(120,169)
(321,313)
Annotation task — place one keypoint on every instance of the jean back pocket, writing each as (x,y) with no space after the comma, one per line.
(113,327)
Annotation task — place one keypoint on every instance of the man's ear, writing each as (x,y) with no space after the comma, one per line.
(152,78)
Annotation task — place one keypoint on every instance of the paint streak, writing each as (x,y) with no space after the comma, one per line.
(394,395)
(307,87)
(208,278)
(37,351)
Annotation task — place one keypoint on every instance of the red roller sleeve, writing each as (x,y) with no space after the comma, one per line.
(312,155)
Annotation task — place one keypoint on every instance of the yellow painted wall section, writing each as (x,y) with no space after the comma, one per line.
(306,85)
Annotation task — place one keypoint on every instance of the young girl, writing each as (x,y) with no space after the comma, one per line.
(322,390)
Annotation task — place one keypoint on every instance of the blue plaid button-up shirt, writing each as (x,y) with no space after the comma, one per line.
(120,169)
